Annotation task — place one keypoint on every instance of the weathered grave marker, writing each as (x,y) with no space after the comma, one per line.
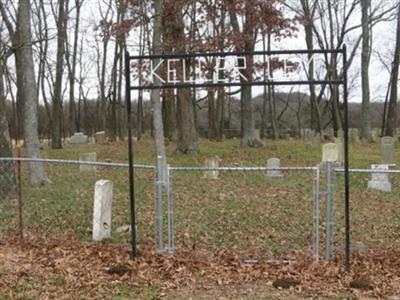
(102,210)
(211,162)
(380,181)
(274,163)
(330,152)
(375,134)
(79,138)
(100,137)
(87,157)
(355,135)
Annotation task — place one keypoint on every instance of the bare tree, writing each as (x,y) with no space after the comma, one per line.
(391,122)
(5,143)
(155,94)
(365,61)
(71,61)
(56,137)
(26,84)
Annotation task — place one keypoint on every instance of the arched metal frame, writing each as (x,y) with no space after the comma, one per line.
(342,81)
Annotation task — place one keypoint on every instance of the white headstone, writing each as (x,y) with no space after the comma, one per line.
(330,152)
(79,138)
(211,162)
(380,181)
(102,210)
(100,137)
(340,147)
(88,157)
(274,163)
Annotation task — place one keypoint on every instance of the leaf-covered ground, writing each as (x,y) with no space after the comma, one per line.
(238,237)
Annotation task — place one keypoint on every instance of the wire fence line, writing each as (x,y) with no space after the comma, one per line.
(323,186)
(8,183)
(77,162)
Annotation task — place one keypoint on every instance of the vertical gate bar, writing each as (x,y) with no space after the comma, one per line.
(329,211)
(316,213)
(170,212)
(346,164)
(130,154)
(159,207)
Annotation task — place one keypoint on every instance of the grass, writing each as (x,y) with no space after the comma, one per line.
(238,211)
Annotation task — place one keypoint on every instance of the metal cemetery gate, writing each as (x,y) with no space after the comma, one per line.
(161,72)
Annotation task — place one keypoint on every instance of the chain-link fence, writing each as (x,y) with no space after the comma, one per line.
(260,210)
(65,207)
(374,209)
(8,182)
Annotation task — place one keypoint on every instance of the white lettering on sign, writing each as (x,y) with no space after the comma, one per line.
(180,71)
(171,70)
(153,71)
(233,68)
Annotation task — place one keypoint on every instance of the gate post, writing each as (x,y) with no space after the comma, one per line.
(171,246)
(159,206)
(316,198)
(329,218)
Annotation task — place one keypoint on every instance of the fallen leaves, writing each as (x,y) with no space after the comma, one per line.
(70,268)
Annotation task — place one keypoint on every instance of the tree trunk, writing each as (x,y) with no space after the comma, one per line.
(155,94)
(187,135)
(7,176)
(211,114)
(315,120)
(365,61)
(392,110)
(72,113)
(248,129)
(26,91)
(56,136)
(112,118)
(220,113)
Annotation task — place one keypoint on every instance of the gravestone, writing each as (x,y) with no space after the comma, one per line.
(100,137)
(380,181)
(330,152)
(79,138)
(309,133)
(102,210)
(340,148)
(354,135)
(375,134)
(274,163)
(387,150)
(211,162)
(90,156)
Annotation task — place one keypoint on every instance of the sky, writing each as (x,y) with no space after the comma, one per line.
(383,37)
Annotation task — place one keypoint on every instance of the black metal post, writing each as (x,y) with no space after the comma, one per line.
(346,164)
(130,153)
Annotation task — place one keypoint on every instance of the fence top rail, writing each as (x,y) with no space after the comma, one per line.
(341,170)
(191,169)
(77,162)
(241,169)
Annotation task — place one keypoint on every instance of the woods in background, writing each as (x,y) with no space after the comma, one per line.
(62,68)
